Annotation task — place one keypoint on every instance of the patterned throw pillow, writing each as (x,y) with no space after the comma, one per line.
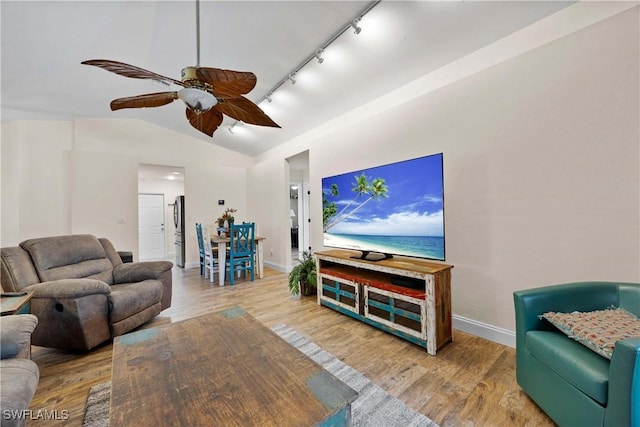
(597,330)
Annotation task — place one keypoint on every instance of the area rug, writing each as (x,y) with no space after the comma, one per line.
(374,407)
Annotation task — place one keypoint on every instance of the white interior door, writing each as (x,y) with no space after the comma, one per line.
(151,226)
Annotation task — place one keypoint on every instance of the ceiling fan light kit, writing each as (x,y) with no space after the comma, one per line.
(196,99)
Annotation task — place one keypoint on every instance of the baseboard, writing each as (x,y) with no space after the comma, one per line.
(483,330)
(280,268)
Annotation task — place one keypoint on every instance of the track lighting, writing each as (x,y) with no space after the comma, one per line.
(354,25)
(238,124)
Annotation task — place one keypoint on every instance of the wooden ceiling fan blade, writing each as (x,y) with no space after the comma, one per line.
(127,70)
(227,83)
(143,101)
(245,111)
(206,122)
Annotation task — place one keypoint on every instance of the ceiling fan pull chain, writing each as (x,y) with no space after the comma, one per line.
(198,33)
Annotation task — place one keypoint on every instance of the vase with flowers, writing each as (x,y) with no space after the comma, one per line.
(227,217)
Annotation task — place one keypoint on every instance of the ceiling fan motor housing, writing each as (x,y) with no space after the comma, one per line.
(189,76)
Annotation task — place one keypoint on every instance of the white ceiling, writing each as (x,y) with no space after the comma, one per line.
(43,44)
(160,173)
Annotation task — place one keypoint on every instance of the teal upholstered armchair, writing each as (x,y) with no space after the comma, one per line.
(574,385)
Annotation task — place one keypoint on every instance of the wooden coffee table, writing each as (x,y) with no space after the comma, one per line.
(221,369)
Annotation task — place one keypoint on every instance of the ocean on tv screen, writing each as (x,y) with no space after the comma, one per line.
(417,246)
(397,208)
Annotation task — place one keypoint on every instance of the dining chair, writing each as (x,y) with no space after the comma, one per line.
(242,256)
(200,247)
(210,255)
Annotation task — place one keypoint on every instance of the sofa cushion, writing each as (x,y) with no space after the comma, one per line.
(598,330)
(69,257)
(110,251)
(18,382)
(132,322)
(17,269)
(581,367)
(15,335)
(128,299)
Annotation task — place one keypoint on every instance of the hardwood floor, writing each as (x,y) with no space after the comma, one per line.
(471,382)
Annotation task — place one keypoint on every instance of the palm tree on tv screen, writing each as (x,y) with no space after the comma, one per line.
(364,187)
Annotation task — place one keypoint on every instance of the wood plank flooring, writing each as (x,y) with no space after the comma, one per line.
(471,382)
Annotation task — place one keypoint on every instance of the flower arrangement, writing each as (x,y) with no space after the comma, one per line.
(226,216)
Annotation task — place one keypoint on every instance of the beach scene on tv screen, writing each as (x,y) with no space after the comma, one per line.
(396,209)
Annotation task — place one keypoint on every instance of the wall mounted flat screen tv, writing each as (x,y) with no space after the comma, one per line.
(394,209)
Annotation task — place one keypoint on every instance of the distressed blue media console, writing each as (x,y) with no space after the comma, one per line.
(407,297)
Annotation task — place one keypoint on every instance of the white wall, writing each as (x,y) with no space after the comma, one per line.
(268,194)
(541,160)
(104,196)
(35,180)
(82,177)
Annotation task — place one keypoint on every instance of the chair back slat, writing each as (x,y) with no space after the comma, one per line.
(206,240)
(242,250)
(201,248)
(242,239)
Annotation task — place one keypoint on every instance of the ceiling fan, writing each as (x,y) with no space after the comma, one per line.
(207,92)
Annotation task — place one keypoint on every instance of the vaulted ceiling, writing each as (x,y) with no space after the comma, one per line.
(43,44)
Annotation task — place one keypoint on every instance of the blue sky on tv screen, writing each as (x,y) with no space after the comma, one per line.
(413,206)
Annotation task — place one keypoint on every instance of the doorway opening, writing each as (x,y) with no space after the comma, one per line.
(158,187)
(299,213)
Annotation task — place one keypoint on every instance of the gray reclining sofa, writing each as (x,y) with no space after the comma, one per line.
(83,293)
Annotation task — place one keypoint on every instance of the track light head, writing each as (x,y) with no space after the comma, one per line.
(268,98)
(233,126)
(318,56)
(356,27)
(290,77)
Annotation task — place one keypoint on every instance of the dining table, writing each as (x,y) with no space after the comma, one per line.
(222,242)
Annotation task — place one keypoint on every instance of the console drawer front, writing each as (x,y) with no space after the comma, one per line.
(342,292)
(400,312)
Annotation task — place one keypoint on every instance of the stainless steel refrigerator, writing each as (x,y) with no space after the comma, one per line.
(178,221)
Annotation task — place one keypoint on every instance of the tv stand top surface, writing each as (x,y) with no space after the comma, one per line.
(372,256)
(396,263)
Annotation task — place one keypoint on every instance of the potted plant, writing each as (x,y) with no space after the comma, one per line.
(302,279)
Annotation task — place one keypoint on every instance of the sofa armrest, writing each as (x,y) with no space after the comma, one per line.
(624,385)
(15,335)
(69,288)
(139,271)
